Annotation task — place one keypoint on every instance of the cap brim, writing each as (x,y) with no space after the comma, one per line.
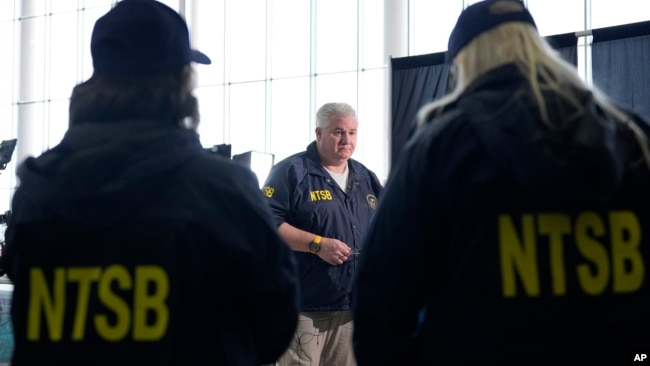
(200,57)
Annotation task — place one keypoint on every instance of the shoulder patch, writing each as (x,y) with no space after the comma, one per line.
(372,201)
(268,191)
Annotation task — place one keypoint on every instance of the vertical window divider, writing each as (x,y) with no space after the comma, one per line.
(268,76)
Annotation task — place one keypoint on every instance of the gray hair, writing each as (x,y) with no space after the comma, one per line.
(330,110)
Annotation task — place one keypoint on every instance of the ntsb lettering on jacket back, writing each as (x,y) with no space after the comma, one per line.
(609,246)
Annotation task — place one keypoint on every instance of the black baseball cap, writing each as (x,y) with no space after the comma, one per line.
(480,17)
(139,37)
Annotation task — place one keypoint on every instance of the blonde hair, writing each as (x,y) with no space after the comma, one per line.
(545,70)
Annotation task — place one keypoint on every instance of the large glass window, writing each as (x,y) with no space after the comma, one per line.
(340,87)
(211,108)
(290,128)
(336,36)
(373,140)
(610,13)
(558,16)
(282,59)
(63,61)
(431,22)
(7,61)
(8,94)
(274,63)
(7,10)
(372,34)
(290,38)
(207,26)
(7,178)
(88,18)
(57,121)
(247,117)
(32,58)
(247,40)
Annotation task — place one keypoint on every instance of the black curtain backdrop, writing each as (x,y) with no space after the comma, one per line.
(620,57)
(567,45)
(417,80)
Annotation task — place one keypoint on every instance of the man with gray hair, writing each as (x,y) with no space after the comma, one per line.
(322,203)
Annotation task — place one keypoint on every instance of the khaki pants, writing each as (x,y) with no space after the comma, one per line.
(321,339)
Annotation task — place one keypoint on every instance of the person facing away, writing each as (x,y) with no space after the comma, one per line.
(322,201)
(514,230)
(129,244)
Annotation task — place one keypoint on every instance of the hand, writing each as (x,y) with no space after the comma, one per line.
(333,251)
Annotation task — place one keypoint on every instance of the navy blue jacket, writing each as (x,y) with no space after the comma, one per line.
(303,194)
(129,244)
(499,241)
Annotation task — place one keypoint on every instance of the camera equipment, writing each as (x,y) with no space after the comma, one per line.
(259,162)
(4,220)
(6,151)
(221,150)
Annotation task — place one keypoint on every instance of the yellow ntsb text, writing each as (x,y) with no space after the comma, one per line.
(321,195)
(608,247)
(145,318)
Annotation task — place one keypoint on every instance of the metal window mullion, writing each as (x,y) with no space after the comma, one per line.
(47,67)
(268,147)
(227,34)
(312,66)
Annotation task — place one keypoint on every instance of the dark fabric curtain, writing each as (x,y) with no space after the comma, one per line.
(620,57)
(567,45)
(416,80)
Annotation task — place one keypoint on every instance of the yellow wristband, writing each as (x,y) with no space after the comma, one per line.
(314,246)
